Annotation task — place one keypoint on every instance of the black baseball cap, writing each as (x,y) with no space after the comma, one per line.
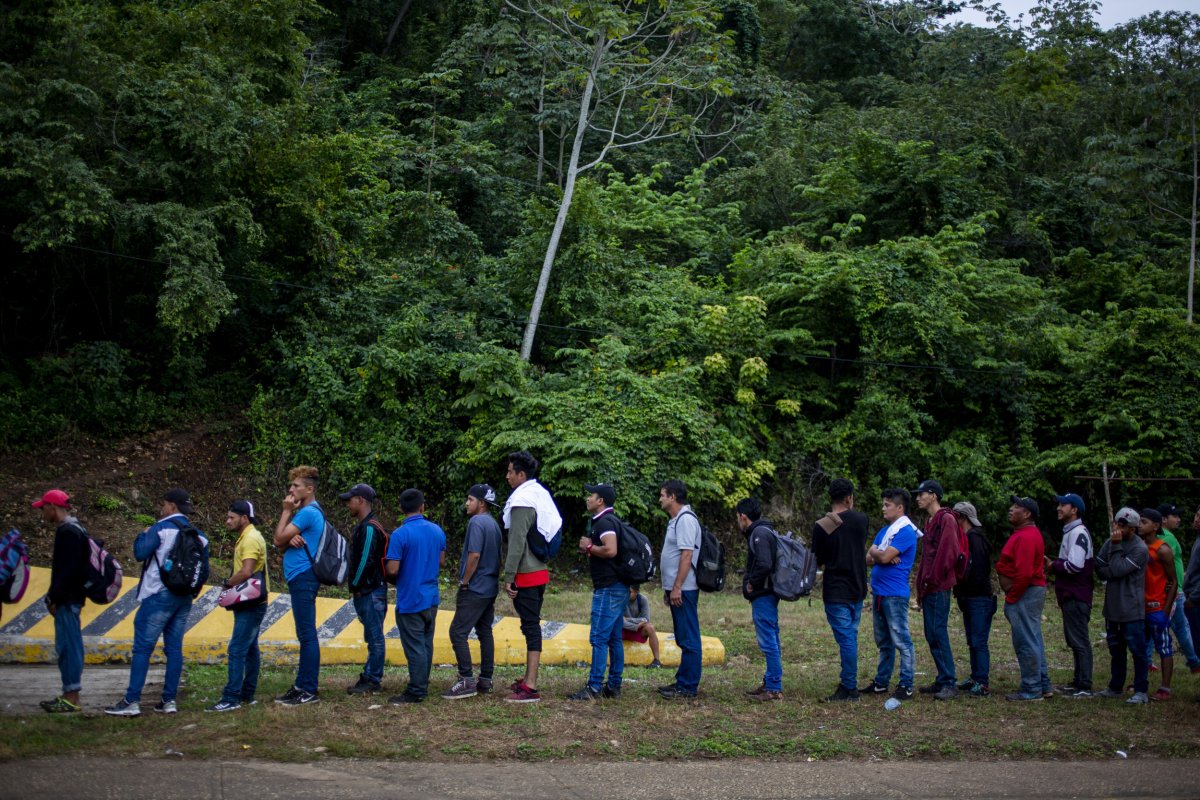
(1153,515)
(607,493)
(1167,509)
(181,499)
(930,485)
(1027,503)
(245,508)
(484,492)
(359,490)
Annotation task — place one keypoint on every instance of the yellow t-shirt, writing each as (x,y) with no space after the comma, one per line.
(252,545)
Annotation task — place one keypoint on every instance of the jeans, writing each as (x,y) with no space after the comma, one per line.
(1076,615)
(473,611)
(608,617)
(935,614)
(528,605)
(890,617)
(416,636)
(765,612)
(843,620)
(1131,636)
(1025,617)
(163,614)
(1193,617)
(244,656)
(372,610)
(686,621)
(304,588)
(977,613)
(68,642)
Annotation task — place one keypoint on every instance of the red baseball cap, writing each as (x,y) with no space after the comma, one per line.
(54,497)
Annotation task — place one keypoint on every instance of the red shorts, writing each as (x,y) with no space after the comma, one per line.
(634,636)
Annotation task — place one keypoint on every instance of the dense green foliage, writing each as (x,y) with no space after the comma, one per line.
(886,246)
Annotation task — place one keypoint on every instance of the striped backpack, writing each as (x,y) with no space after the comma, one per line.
(14,567)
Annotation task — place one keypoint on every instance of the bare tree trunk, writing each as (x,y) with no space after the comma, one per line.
(541,165)
(387,44)
(1195,188)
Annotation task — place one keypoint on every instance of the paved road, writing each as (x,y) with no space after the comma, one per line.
(169,779)
(22,687)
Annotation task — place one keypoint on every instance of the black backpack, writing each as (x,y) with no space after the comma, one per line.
(185,570)
(710,567)
(634,562)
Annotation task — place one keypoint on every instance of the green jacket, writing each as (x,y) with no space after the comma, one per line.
(519,559)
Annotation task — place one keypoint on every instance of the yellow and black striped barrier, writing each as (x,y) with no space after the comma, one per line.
(27,633)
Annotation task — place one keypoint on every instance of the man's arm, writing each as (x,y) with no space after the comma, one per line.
(242,574)
(521,519)
(1122,559)
(1166,557)
(469,569)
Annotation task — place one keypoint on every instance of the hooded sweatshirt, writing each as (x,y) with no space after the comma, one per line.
(939,554)
(1123,565)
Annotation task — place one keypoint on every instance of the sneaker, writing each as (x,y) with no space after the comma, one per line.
(249,701)
(979,690)
(1108,693)
(1022,697)
(462,689)
(946,693)
(873,688)
(483,685)
(755,692)
(656,664)
(288,696)
(59,705)
(843,695)
(675,693)
(609,693)
(1138,699)
(523,694)
(225,705)
(1152,668)
(966,685)
(932,688)
(405,699)
(766,697)
(364,686)
(123,708)
(903,693)
(300,698)
(1161,694)
(1078,694)
(166,707)
(1069,688)
(517,684)
(1048,694)
(586,693)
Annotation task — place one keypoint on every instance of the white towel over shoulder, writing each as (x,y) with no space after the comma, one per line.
(895,528)
(532,494)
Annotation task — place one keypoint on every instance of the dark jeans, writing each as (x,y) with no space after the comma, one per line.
(843,620)
(372,611)
(244,656)
(528,605)
(473,611)
(977,613)
(163,614)
(608,648)
(416,637)
(935,611)
(304,588)
(1076,615)
(686,621)
(68,642)
(1131,637)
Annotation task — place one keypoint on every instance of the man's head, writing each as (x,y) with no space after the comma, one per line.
(1170,516)
(1127,521)
(360,500)
(600,496)
(841,492)
(1070,507)
(176,501)
(412,502)
(633,590)
(54,505)
(928,495)
(895,503)
(1022,511)
(240,514)
(1151,524)
(966,515)
(672,495)
(749,510)
(522,466)
(302,483)
(479,498)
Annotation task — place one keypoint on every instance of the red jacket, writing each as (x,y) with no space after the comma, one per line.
(939,554)
(1023,559)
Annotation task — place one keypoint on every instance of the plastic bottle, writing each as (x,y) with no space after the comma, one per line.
(892,704)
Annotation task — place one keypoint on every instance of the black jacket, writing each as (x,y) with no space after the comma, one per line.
(368,546)
(67,573)
(843,555)
(760,559)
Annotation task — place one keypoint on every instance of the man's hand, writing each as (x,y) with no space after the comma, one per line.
(676,597)
(52,608)
(1117,534)
(297,541)
(508,587)
(584,541)
(289,504)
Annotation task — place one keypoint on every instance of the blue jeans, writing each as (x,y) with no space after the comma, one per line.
(68,642)
(304,588)
(1025,617)
(608,616)
(890,617)
(935,613)
(686,621)
(244,656)
(163,614)
(1131,636)
(372,611)
(765,612)
(416,637)
(977,615)
(844,619)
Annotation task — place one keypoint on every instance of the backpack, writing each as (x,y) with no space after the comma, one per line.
(542,548)
(634,562)
(710,567)
(185,569)
(14,567)
(102,573)
(332,564)
(795,570)
(963,562)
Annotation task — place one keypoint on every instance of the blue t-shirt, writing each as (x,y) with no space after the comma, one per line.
(311,522)
(889,580)
(417,544)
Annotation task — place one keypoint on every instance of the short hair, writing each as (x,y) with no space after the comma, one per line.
(898,496)
(677,489)
(840,489)
(524,462)
(411,501)
(305,473)
(750,507)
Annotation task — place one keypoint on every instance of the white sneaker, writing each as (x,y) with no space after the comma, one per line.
(1138,699)
(123,708)
(166,707)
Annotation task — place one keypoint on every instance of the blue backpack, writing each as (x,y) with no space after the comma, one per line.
(14,567)
(541,548)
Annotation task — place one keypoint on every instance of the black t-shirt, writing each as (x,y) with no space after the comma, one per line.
(843,554)
(978,580)
(603,574)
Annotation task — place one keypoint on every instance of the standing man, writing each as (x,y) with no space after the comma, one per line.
(1179,623)
(1161,587)
(416,553)
(299,530)
(249,557)
(608,595)
(890,557)
(65,598)
(1022,572)
(161,612)
(475,603)
(936,576)
(976,600)
(758,589)
(839,541)
(1122,563)
(677,563)
(1073,587)
(529,511)
(368,589)
(1191,581)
